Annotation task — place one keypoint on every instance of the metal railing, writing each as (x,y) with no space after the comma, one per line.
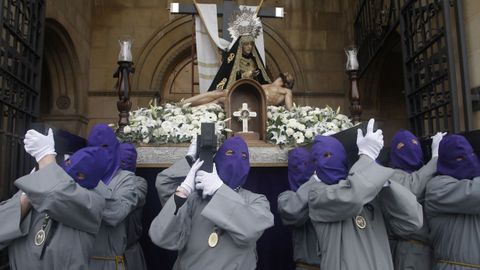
(434,57)
(21,46)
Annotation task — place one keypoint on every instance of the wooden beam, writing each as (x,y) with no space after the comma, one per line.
(265,12)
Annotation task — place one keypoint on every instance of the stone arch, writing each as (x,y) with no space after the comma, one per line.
(171,45)
(60,94)
(160,52)
(281,57)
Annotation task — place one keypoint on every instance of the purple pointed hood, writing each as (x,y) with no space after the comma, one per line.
(457,159)
(300,167)
(87,166)
(330,159)
(103,136)
(406,152)
(128,157)
(233,162)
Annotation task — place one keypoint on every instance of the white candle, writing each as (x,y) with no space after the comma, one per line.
(352,61)
(125,47)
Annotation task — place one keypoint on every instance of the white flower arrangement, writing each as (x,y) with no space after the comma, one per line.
(300,125)
(174,123)
(171,123)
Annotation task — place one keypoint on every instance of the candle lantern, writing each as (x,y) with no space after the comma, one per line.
(125,68)
(352,67)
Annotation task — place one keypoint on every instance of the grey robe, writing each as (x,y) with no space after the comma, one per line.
(333,208)
(413,252)
(453,212)
(75,212)
(169,179)
(111,240)
(241,217)
(293,209)
(134,258)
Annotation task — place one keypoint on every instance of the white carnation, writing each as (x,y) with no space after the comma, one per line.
(289,131)
(332,126)
(299,138)
(308,134)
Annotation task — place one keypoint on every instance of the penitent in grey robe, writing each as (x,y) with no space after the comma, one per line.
(111,240)
(293,209)
(75,217)
(240,219)
(333,210)
(413,251)
(453,210)
(134,258)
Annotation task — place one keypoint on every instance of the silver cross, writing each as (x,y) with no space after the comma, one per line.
(244,114)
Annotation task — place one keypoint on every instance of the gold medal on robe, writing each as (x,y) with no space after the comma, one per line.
(361,222)
(213,239)
(40,237)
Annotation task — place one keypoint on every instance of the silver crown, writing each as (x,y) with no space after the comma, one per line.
(244,23)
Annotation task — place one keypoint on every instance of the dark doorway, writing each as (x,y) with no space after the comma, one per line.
(383,89)
(391,94)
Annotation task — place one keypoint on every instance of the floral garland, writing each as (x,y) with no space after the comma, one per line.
(175,123)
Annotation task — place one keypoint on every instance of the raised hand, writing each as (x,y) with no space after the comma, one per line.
(192,151)
(189,183)
(436,142)
(371,143)
(209,183)
(39,145)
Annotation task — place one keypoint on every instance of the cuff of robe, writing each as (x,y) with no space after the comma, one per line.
(179,202)
(372,173)
(362,162)
(39,184)
(12,225)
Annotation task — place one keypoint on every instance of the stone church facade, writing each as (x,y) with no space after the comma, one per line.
(80,51)
(81,48)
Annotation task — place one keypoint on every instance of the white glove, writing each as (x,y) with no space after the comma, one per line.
(189,183)
(39,145)
(436,142)
(192,149)
(371,143)
(208,182)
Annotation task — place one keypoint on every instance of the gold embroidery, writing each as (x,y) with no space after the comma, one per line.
(247,68)
(222,83)
(119,260)
(469,265)
(230,57)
